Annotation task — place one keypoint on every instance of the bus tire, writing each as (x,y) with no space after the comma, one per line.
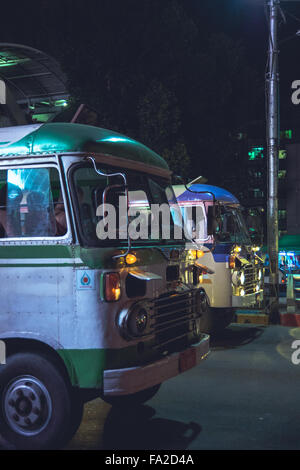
(134,399)
(35,403)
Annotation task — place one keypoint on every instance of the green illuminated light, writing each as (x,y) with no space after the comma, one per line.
(41,117)
(256,152)
(61,103)
(57,103)
(287,134)
(7,60)
(116,139)
(281,174)
(282,154)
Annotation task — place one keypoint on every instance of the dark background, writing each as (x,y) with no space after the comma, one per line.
(185,77)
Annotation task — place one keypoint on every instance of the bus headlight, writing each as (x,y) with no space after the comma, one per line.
(138,322)
(235,278)
(134,322)
(238,278)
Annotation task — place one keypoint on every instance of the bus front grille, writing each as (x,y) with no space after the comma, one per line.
(250,282)
(173,318)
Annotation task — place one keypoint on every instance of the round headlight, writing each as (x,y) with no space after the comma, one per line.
(138,321)
(235,278)
(134,321)
(238,278)
(141,320)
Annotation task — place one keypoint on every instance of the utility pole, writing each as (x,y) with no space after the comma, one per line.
(273,136)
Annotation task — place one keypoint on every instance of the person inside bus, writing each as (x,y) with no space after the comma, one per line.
(60,213)
(60,216)
(10,224)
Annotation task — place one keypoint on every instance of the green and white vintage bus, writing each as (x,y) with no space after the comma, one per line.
(81,316)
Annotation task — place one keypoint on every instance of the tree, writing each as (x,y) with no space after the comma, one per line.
(160,126)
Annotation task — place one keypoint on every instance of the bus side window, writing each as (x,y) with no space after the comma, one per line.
(38,221)
(10,200)
(27,203)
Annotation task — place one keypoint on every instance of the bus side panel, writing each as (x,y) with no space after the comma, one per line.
(218,284)
(29,301)
(221,286)
(81,325)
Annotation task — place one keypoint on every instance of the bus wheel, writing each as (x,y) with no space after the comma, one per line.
(35,403)
(134,399)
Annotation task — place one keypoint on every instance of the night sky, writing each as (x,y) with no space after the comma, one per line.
(245,21)
(182,76)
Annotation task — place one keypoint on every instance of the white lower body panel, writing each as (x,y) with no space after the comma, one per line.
(135,379)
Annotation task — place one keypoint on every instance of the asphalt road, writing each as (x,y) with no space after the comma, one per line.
(246,395)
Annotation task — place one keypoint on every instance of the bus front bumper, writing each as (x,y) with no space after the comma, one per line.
(135,379)
(247,300)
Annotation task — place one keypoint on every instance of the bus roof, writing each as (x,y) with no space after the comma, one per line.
(49,138)
(222,195)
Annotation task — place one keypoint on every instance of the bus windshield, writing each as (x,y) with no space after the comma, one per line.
(101,203)
(231,227)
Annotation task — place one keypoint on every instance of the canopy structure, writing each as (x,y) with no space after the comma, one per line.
(289,243)
(35,80)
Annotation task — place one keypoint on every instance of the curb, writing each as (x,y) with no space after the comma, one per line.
(255,318)
(285,318)
(290,319)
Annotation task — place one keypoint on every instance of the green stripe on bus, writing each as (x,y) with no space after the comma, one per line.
(86,366)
